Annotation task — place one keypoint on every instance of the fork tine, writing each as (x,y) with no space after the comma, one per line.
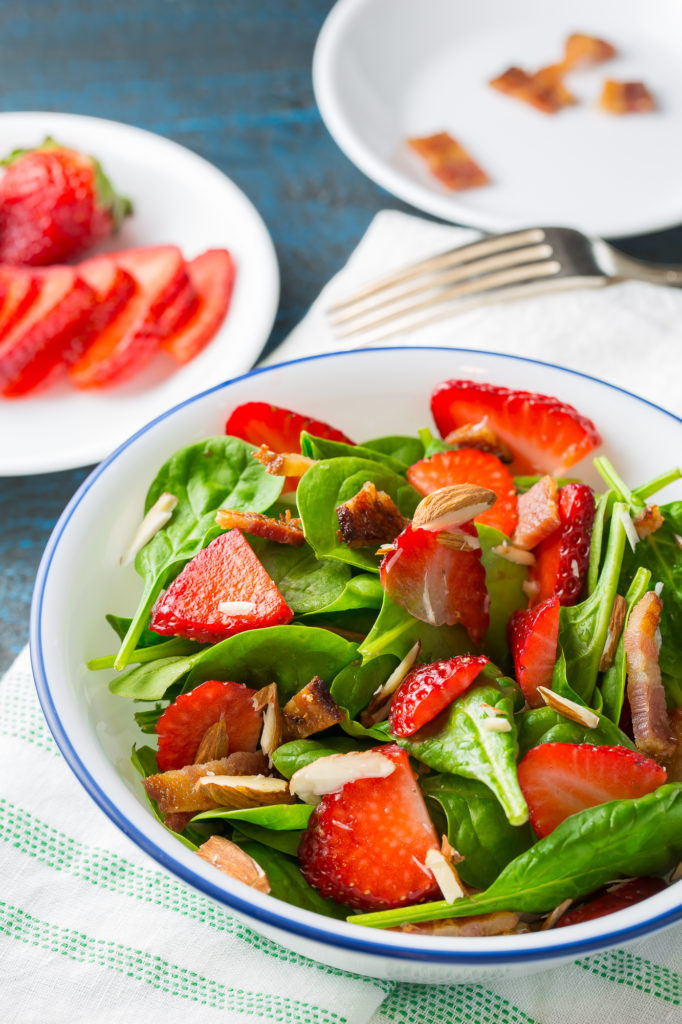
(498,280)
(461,254)
(512,258)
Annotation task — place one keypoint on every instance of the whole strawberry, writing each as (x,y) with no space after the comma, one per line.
(55,204)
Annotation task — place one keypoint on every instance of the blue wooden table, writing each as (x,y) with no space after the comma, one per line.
(231,80)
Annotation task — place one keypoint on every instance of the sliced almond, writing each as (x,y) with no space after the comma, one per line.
(616,623)
(569,708)
(273,723)
(514,554)
(458,540)
(531,589)
(236,607)
(157,517)
(229,858)
(678,540)
(677,873)
(310,710)
(452,506)
(330,774)
(174,791)
(215,744)
(496,725)
(630,530)
(379,706)
(239,791)
(445,873)
(557,913)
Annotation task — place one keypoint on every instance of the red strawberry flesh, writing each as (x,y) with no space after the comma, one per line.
(622,896)
(280,429)
(428,689)
(212,278)
(538,512)
(563,558)
(225,571)
(21,290)
(545,435)
(561,779)
(366,844)
(533,634)
(182,725)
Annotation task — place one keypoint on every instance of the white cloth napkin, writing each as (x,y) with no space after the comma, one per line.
(91,930)
(629,334)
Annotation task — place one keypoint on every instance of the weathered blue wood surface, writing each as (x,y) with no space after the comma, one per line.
(231,80)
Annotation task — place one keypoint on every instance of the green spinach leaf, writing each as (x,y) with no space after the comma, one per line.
(289,757)
(360,592)
(396,631)
(407,450)
(286,881)
(543,725)
(306,583)
(323,448)
(503,580)
(354,685)
(151,680)
(278,816)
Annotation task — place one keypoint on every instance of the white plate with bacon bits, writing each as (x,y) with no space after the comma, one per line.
(194,249)
(580,133)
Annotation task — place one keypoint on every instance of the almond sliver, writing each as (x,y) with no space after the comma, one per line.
(569,708)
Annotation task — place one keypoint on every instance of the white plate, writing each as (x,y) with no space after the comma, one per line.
(179,198)
(365,394)
(385,70)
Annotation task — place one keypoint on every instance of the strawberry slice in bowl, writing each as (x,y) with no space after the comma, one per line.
(428,689)
(562,559)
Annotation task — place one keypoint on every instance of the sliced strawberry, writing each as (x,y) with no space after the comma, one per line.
(212,276)
(129,341)
(180,309)
(532,634)
(436,583)
(280,429)
(545,435)
(561,561)
(113,286)
(227,571)
(21,290)
(620,897)
(471,466)
(538,513)
(560,779)
(182,725)
(366,844)
(427,689)
(49,333)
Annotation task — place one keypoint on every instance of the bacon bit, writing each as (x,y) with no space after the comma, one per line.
(283,463)
(582,49)
(568,708)
(229,858)
(648,520)
(449,161)
(309,711)
(380,704)
(215,744)
(543,90)
(157,517)
(502,923)
(538,512)
(271,461)
(558,912)
(174,791)
(616,623)
(650,722)
(179,821)
(369,517)
(513,554)
(241,791)
(266,700)
(481,436)
(283,530)
(626,98)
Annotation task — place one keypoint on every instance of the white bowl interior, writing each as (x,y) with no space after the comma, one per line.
(365,394)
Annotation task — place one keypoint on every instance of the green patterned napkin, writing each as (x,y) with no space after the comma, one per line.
(90,930)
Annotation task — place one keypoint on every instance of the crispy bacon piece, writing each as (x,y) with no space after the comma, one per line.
(581,49)
(481,436)
(648,521)
(449,161)
(174,791)
(310,710)
(543,90)
(502,923)
(178,822)
(626,98)
(229,858)
(538,512)
(369,518)
(283,531)
(650,722)
(291,464)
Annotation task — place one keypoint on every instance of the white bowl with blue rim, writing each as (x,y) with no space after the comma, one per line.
(365,394)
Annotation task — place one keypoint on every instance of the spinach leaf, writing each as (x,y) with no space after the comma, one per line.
(543,725)
(379,733)
(354,685)
(407,450)
(306,583)
(323,448)
(332,482)
(176,647)
(620,839)
(121,624)
(278,816)
(217,473)
(602,505)
(612,686)
(285,842)
(146,720)
(503,580)
(361,591)
(583,627)
(289,757)
(457,741)
(432,445)
(286,881)
(477,827)
(288,655)
(396,631)
(151,681)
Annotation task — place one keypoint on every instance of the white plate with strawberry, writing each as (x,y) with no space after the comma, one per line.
(101,331)
(257,649)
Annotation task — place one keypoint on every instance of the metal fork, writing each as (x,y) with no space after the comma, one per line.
(496,268)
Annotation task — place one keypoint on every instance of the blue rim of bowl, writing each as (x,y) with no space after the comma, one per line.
(274,917)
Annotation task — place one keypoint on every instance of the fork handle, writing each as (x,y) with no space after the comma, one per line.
(629,269)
